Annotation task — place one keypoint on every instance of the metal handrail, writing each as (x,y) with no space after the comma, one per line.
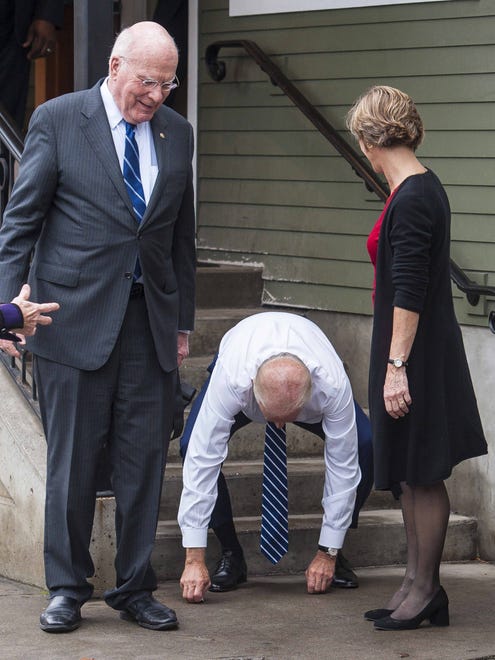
(217,71)
(11,147)
(10,134)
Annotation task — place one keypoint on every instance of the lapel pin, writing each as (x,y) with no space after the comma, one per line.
(162,135)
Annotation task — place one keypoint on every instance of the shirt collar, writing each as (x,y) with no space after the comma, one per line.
(113,113)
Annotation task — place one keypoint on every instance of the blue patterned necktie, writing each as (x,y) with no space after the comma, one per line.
(274,541)
(132,179)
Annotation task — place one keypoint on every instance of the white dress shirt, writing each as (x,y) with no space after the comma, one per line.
(241,352)
(148,164)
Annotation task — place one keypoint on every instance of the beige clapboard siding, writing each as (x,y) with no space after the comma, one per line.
(272,190)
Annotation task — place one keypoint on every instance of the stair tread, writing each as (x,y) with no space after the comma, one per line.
(229,468)
(227,312)
(380,517)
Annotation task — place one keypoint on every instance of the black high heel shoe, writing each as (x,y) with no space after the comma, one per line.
(437,611)
(374,615)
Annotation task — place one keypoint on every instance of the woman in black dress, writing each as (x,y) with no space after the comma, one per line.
(423,409)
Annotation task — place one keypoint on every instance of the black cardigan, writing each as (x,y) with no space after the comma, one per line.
(413,272)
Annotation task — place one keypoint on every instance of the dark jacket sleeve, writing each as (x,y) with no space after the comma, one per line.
(10,317)
(26,11)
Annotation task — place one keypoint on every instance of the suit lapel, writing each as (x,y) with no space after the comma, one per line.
(159,131)
(94,125)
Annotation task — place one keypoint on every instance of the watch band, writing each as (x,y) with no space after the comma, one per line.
(331,552)
(397,362)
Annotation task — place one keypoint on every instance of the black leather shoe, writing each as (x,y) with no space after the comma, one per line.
(344,577)
(230,571)
(149,613)
(63,614)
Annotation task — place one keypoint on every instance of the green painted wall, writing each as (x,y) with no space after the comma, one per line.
(273,191)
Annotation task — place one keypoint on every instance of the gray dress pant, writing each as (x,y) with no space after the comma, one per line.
(127,404)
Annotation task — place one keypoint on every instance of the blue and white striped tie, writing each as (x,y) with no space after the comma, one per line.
(274,541)
(132,179)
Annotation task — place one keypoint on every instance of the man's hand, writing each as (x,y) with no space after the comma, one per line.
(195,578)
(10,347)
(182,347)
(319,573)
(40,39)
(33,313)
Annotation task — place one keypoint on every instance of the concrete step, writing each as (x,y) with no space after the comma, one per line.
(245,479)
(212,324)
(227,285)
(248,443)
(194,370)
(306,477)
(379,541)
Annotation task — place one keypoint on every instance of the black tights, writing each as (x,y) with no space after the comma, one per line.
(425,510)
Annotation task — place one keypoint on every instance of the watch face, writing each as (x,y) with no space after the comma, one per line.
(398,363)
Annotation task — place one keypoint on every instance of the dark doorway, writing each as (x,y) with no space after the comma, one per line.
(173,15)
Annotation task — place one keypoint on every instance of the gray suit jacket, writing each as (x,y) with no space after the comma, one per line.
(71,203)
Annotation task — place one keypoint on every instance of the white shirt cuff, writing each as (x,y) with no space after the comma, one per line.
(332,538)
(194,537)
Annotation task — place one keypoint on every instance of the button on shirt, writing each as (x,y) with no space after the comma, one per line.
(242,350)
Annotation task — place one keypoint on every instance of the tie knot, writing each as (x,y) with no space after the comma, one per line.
(129,128)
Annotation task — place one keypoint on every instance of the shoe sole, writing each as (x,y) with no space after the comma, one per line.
(344,586)
(172,625)
(60,629)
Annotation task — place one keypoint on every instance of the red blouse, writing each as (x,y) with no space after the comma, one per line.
(372,242)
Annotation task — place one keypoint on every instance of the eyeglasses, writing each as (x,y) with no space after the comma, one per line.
(150,83)
(167,86)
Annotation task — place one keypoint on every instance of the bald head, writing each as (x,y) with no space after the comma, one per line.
(142,54)
(281,387)
(145,42)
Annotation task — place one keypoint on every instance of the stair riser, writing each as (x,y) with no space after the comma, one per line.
(211,325)
(228,286)
(194,372)
(305,493)
(248,444)
(369,545)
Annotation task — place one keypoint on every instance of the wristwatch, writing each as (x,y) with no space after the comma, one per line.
(397,362)
(331,552)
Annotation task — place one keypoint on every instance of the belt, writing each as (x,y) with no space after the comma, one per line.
(137,290)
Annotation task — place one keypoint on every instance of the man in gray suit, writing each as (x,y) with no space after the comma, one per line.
(124,277)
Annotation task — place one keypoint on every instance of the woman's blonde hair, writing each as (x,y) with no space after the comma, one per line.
(386,117)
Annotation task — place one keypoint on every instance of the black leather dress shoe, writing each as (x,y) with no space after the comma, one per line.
(149,613)
(344,577)
(63,614)
(230,571)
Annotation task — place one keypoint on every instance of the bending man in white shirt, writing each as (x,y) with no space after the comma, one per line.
(291,349)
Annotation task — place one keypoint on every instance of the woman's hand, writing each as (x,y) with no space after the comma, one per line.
(396,392)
